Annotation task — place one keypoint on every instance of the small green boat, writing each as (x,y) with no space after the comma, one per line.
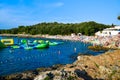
(41,41)
(42,46)
(15,46)
(54,43)
(23,41)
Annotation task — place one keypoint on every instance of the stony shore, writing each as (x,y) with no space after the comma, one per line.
(87,67)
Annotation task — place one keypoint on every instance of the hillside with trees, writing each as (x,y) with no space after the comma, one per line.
(55,28)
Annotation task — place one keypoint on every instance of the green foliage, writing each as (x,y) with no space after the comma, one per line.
(86,28)
(113,73)
(71,78)
(118,17)
(98,48)
(47,78)
(96,65)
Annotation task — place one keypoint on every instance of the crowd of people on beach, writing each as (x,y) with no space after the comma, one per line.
(106,41)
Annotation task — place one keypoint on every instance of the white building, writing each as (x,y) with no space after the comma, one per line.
(109,31)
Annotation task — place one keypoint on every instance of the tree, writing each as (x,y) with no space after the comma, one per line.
(112,25)
(118,17)
(86,28)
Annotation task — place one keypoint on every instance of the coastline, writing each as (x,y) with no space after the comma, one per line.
(103,66)
(110,42)
(87,67)
(65,37)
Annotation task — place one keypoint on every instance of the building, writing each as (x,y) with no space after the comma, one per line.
(109,31)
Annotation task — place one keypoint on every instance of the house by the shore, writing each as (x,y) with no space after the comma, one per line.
(109,31)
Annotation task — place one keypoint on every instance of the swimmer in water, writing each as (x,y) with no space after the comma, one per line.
(11,50)
(74,49)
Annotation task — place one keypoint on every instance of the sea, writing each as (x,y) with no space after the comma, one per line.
(19,60)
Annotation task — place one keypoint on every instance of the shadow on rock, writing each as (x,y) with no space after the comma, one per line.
(83,74)
(50,75)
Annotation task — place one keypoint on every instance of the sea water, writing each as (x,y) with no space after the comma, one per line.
(19,60)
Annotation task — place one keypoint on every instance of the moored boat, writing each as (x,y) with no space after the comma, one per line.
(7,42)
(41,46)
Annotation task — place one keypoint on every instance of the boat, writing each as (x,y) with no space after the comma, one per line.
(54,43)
(36,44)
(41,46)
(7,42)
(15,46)
(28,45)
(23,41)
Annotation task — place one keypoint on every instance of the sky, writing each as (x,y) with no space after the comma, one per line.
(14,13)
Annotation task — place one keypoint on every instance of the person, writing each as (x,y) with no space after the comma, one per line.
(75,50)
(11,50)
(59,52)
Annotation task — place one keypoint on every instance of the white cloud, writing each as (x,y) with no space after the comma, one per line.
(58,4)
(25,15)
(14,17)
(49,5)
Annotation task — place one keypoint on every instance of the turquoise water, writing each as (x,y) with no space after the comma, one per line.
(18,60)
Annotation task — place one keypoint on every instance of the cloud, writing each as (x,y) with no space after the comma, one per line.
(58,4)
(49,5)
(15,15)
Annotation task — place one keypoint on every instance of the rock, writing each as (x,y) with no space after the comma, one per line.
(63,73)
(104,70)
(2,78)
(104,66)
(35,72)
(82,74)
(54,67)
(40,77)
(79,57)
(50,75)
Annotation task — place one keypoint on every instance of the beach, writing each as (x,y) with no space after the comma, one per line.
(106,41)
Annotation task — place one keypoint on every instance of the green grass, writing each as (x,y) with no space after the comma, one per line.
(96,65)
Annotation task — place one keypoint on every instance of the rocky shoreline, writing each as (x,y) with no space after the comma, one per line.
(87,67)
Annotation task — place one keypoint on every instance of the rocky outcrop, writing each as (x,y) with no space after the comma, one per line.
(87,67)
(104,66)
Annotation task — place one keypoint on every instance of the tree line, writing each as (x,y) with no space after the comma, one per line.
(55,28)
